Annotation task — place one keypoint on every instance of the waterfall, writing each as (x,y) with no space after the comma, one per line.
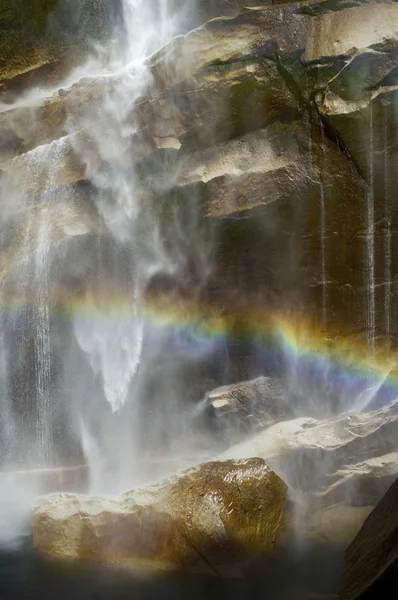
(35,257)
(134,254)
(42,330)
(370,246)
(7,428)
(114,349)
(387,243)
(104,330)
(322,235)
(187,209)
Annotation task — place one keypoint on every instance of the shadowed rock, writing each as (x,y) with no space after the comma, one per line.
(371,561)
(45,37)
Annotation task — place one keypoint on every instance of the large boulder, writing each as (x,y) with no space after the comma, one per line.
(210,519)
(371,561)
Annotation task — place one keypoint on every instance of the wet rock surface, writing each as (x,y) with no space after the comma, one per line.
(334,473)
(337,470)
(209,519)
(237,411)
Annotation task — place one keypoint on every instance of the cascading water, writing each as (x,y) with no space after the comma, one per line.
(43,348)
(114,351)
(127,256)
(34,258)
(387,242)
(370,247)
(322,236)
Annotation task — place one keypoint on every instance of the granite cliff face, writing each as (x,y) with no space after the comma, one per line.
(281,114)
(275,125)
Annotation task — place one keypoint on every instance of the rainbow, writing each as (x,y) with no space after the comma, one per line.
(340,362)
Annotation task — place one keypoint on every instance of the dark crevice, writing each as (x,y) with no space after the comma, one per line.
(243,60)
(305,105)
(290,81)
(200,555)
(334,137)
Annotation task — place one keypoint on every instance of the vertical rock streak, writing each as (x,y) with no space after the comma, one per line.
(387,241)
(370,246)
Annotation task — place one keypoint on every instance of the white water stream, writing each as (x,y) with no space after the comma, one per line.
(370,248)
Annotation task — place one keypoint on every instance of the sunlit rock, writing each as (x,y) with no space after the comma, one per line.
(167,143)
(46,166)
(318,447)
(240,409)
(362,482)
(41,120)
(337,470)
(244,68)
(254,169)
(243,97)
(50,217)
(338,32)
(209,519)
(258,152)
(315,32)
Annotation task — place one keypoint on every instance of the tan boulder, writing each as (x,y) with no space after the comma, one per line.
(209,519)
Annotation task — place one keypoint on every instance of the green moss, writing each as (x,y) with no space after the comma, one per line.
(282,127)
(259,100)
(245,95)
(223,68)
